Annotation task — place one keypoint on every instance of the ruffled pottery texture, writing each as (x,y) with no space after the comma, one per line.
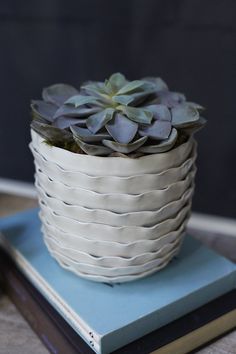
(115,168)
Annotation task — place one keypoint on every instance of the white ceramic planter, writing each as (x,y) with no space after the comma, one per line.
(108,271)
(114,184)
(115,202)
(123,234)
(113,219)
(107,279)
(113,166)
(100,216)
(106,249)
(106,261)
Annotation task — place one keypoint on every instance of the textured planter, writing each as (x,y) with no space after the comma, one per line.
(114,219)
(114,184)
(114,166)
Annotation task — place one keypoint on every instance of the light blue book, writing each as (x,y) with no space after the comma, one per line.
(108,317)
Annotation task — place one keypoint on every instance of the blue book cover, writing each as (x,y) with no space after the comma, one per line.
(108,317)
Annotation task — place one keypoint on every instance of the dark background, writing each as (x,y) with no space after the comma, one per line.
(191,44)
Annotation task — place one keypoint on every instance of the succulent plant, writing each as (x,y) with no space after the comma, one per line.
(117,115)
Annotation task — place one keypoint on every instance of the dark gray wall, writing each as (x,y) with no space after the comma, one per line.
(190,43)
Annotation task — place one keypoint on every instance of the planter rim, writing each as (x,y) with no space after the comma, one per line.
(190,160)
(118,166)
(104,158)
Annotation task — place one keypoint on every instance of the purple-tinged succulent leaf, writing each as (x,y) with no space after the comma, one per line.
(70,111)
(58,93)
(160,85)
(163,146)
(139,115)
(98,120)
(87,136)
(158,130)
(80,100)
(82,123)
(140,97)
(94,150)
(114,113)
(183,115)
(170,99)
(65,122)
(44,109)
(122,129)
(125,148)
(160,112)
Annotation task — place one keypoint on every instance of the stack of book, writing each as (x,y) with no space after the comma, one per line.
(176,310)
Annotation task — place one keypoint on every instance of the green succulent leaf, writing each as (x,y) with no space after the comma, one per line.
(125,148)
(158,130)
(184,115)
(123,99)
(52,134)
(117,81)
(92,87)
(140,97)
(70,111)
(100,91)
(98,120)
(43,109)
(109,88)
(132,99)
(58,93)
(87,136)
(80,100)
(94,150)
(130,87)
(139,115)
(122,129)
(163,146)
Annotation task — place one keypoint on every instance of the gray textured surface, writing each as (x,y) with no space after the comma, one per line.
(16,337)
(225,345)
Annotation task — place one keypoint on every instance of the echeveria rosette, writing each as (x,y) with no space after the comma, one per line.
(115,116)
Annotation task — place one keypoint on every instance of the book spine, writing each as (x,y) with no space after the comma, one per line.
(49,327)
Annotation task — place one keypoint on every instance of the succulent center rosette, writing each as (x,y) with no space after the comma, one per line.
(117,115)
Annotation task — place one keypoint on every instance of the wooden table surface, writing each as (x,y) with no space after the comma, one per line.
(16,337)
